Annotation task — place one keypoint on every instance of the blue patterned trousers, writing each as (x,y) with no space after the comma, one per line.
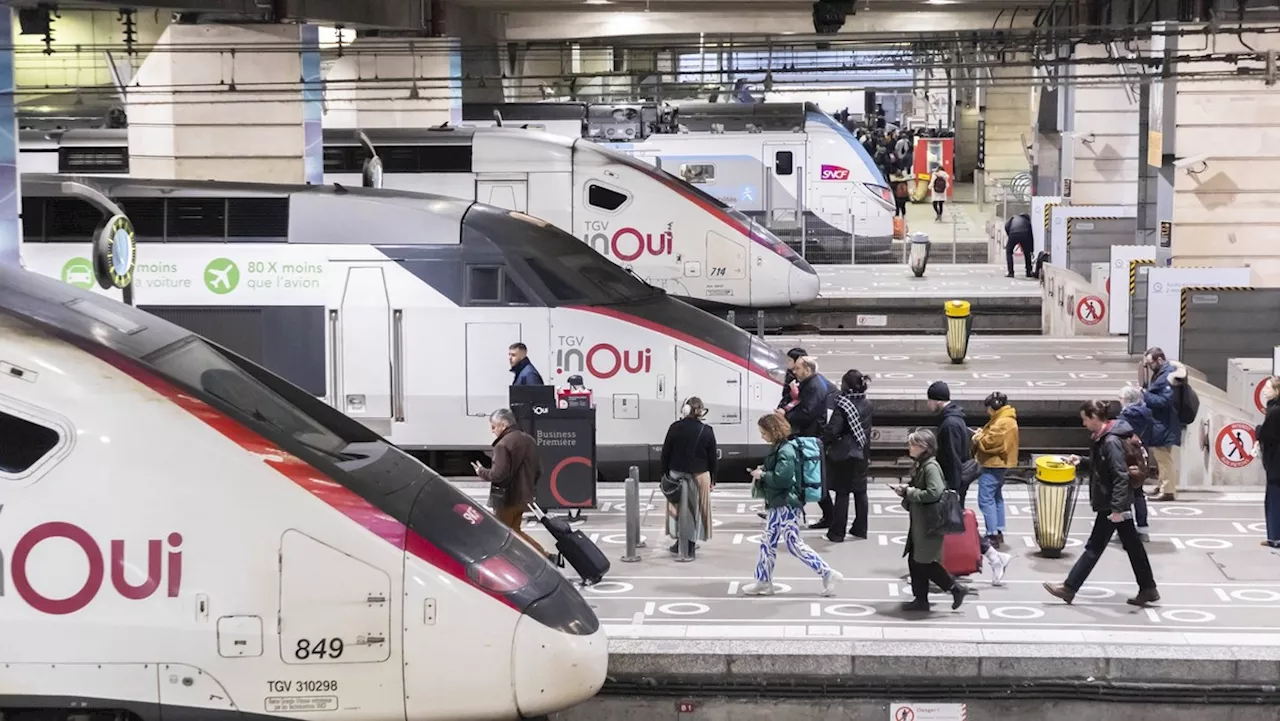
(784,524)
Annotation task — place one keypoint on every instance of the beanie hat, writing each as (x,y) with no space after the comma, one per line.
(939,391)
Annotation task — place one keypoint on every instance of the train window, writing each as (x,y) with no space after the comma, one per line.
(512,293)
(23,443)
(697,173)
(782,162)
(605,198)
(484,284)
(196,218)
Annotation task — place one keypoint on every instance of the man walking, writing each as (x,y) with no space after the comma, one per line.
(1166,428)
(514,474)
(1111,497)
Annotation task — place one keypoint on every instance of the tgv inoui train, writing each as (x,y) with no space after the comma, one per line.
(186,535)
(666,231)
(766,160)
(398,308)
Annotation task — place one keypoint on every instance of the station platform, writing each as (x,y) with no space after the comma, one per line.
(687,626)
(1046,379)
(884,299)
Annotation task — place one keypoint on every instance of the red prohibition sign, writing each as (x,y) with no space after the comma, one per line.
(1234,445)
(1257,396)
(1090,310)
(904,714)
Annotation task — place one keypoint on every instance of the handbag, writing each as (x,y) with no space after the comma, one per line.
(969,471)
(945,516)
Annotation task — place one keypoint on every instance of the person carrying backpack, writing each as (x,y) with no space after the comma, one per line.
(780,483)
(808,417)
(1134,412)
(924,549)
(1171,400)
(939,183)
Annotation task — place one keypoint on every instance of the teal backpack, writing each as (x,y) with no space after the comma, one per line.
(809,473)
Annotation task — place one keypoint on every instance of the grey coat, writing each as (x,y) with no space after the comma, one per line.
(927,486)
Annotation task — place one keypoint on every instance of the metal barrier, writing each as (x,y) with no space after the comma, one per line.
(1089,240)
(1223,323)
(1137,294)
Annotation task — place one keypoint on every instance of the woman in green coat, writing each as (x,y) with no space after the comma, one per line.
(924,550)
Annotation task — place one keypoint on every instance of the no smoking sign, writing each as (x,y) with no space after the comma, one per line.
(1234,445)
(1090,310)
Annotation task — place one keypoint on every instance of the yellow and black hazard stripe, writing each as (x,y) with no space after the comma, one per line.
(1187,290)
(1071,222)
(1133,274)
(1048,218)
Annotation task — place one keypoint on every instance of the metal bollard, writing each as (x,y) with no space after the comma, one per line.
(633,514)
(760,323)
(732,317)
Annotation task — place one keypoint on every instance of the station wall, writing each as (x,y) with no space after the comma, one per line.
(1105,145)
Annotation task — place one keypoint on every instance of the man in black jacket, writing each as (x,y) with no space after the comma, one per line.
(808,416)
(790,384)
(954,442)
(1111,497)
(1018,229)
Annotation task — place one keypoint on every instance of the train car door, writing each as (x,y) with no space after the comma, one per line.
(363,332)
(717,383)
(504,191)
(784,183)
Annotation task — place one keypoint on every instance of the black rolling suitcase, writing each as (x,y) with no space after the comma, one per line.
(574,547)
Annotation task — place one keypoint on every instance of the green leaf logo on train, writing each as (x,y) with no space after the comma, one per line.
(221,276)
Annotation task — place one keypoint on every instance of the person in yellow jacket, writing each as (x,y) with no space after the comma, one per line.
(995,448)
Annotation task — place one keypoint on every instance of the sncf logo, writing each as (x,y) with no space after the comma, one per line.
(834,172)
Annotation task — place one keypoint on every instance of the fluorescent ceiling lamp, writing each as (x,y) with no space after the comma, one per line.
(597,2)
(941,2)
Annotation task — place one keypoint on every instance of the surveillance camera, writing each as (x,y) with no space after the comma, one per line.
(1190,160)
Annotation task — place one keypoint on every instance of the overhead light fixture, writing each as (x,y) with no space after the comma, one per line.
(597,2)
(941,2)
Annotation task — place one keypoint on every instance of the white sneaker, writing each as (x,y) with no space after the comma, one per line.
(830,581)
(999,564)
(756,588)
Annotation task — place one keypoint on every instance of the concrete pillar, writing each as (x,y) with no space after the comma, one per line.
(1157,139)
(219,102)
(312,106)
(1224,209)
(431,95)
(1104,135)
(10,184)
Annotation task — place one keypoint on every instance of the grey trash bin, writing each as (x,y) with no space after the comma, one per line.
(918,258)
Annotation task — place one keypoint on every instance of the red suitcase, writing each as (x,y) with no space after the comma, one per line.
(962,552)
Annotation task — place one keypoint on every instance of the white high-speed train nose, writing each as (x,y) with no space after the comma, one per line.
(803,283)
(553,670)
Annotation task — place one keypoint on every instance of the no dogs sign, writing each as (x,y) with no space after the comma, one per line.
(1234,446)
(1090,310)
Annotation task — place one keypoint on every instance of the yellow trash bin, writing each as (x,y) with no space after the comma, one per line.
(959,323)
(1053,504)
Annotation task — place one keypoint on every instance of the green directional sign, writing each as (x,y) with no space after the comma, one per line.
(221,276)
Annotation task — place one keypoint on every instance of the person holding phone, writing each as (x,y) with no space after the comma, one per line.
(923,549)
(1111,497)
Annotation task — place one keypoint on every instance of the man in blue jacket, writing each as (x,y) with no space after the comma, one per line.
(1166,430)
(522,370)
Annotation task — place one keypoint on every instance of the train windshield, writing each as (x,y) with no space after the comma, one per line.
(445,522)
(569,271)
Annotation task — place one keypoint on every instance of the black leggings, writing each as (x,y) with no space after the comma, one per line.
(845,478)
(937,207)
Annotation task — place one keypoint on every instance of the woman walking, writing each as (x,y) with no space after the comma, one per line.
(995,448)
(847,436)
(780,483)
(924,549)
(689,459)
